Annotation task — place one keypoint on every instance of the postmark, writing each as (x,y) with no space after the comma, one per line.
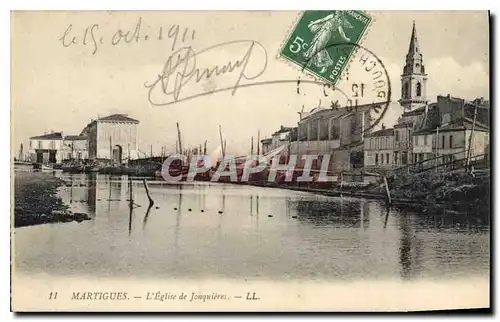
(309,44)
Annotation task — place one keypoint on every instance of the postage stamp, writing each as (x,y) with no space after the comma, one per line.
(310,44)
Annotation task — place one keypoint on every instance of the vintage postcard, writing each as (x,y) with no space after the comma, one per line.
(261,161)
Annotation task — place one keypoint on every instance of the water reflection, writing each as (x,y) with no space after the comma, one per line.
(410,249)
(346,213)
(206,230)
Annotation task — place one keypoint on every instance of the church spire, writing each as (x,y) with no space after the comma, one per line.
(414,60)
(413,41)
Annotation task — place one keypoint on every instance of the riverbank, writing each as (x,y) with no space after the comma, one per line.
(36,201)
(453,190)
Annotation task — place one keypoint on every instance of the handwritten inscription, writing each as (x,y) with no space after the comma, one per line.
(181,70)
(93,36)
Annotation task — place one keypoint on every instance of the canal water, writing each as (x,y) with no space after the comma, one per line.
(207,230)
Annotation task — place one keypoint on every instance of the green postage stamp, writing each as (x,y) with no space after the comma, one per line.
(322,42)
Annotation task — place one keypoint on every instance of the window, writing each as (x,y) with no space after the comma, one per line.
(39,144)
(406,90)
(450,139)
(396,154)
(404,158)
(387,158)
(52,145)
(425,139)
(446,118)
(334,132)
(397,136)
(442,142)
(416,140)
(381,158)
(376,158)
(419,89)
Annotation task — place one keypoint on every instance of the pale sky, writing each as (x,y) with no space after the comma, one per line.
(62,88)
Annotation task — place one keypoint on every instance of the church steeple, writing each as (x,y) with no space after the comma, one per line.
(413,40)
(414,60)
(414,78)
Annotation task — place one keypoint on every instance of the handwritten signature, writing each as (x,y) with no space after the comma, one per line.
(181,70)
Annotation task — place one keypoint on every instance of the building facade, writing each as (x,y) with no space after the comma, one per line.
(267,145)
(379,150)
(113,137)
(47,148)
(335,134)
(451,133)
(75,147)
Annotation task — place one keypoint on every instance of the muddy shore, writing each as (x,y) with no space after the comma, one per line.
(36,201)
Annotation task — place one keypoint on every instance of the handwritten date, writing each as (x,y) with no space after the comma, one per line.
(94,37)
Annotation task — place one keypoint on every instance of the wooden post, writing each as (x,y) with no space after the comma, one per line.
(179,137)
(258,142)
(131,199)
(251,147)
(437,147)
(389,201)
(151,202)
(110,150)
(205,148)
(467,161)
(221,142)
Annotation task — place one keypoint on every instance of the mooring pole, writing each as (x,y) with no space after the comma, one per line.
(131,200)
(151,202)
(389,201)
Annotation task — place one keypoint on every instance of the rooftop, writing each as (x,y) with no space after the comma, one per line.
(75,137)
(458,125)
(403,124)
(50,136)
(383,132)
(415,112)
(118,118)
(284,129)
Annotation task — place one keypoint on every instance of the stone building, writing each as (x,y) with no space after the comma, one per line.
(113,137)
(379,150)
(47,148)
(267,145)
(450,131)
(334,133)
(75,147)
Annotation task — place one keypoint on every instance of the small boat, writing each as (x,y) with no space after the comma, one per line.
(73,168)
(47,167)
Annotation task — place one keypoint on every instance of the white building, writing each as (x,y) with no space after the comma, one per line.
(113,137)
(379,150)
(47,148)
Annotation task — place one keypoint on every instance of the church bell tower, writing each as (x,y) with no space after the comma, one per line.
(414,78)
